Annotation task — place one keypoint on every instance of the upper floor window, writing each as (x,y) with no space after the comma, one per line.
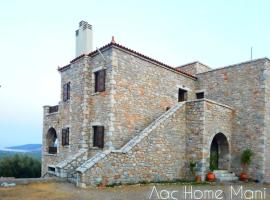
(182,95)
(98,139)
(66,91)
(65,136)
(100,77)
(200,95)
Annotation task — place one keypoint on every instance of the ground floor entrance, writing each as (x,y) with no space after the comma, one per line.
(219,153)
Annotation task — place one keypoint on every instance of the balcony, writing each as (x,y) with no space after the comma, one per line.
(53,109)
(52,150)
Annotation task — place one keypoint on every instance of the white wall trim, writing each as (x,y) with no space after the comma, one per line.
(98,69)
(183,87)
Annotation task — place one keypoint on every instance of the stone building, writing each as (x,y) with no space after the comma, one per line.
(124,117)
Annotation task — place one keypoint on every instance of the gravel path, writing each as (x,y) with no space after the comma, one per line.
(67,191)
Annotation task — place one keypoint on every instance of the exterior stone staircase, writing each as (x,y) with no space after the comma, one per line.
(225,176)
(66,168)
(133,142)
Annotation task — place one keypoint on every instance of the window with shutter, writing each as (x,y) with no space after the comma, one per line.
(100,78)
(65,136)
(98,139)
(66,91)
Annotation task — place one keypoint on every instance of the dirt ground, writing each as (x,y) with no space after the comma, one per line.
(67,191)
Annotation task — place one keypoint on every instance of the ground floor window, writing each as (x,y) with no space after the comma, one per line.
(98,139)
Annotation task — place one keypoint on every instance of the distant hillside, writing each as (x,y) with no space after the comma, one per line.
(26,147)
(34,154)
(33,150)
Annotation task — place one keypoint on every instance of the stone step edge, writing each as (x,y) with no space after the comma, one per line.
(92,161)
(70,159)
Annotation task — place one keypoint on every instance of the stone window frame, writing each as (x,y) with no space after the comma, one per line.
(96,69)
(199,95)
(183,87)
(51,171)
(97,130)
(92,134)
(200,91)
(66,91)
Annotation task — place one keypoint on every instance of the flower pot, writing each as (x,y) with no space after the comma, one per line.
(244,176)
(210,176)
(198,179)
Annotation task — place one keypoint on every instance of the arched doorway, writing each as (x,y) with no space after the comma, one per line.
(219,153)
(52,141)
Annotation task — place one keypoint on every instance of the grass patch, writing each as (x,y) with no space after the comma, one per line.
(165,182)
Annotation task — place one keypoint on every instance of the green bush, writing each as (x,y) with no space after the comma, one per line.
(20,166)
(192,166)
(213,161)
(246,157)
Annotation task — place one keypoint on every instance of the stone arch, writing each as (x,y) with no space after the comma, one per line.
(51,141)
(220,152)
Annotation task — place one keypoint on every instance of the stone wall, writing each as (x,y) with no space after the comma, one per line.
(165,152)
(85,109)
(194,68)
(143,91)
(159,156)
(205,119)
(266,158)
(70,114)
(242,87)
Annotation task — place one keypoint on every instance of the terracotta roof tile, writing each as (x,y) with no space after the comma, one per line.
(113,44)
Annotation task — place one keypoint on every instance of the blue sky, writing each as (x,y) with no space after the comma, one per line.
(37,36)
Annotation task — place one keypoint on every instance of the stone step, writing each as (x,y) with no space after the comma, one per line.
(225,175)
(224,179)
(221,171)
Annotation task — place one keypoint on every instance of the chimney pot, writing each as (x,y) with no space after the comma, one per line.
(113,41)
(84,39)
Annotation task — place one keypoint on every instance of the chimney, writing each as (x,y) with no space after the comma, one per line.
(84,39)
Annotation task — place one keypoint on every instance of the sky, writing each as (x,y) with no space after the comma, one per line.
(38,36)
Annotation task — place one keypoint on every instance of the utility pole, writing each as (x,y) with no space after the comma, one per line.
(251,53)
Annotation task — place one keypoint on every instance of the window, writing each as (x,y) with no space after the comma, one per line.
(66,91)
(51,169)
(65,136)
(200,95)
(182,95)
(98,140)
(100,77)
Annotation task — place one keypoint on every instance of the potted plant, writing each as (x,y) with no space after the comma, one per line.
(192,168)
(245,162)
(210,176)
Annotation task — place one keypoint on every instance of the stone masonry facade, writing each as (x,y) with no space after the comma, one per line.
(155,119)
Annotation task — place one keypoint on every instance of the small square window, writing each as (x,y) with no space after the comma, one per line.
(200,95)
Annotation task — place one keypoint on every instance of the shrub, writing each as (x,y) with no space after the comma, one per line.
(20,166)
(246,157)
(192,166)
